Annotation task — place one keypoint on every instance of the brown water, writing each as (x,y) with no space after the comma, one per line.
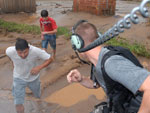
(73,94)
(58,96)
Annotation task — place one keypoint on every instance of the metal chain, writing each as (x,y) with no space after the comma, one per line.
(125,23)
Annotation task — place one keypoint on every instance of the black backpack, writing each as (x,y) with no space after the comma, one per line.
(121,100)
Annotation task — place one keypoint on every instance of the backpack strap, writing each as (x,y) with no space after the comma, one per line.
(117,50)
(108,81)
(119,94)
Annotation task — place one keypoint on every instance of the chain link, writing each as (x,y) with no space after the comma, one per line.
(125,23)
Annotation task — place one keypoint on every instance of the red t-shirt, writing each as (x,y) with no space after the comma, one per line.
(49,25)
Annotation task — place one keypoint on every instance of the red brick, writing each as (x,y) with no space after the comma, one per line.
(98,7)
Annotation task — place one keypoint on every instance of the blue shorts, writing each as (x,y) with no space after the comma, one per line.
(51,39)
(19,86)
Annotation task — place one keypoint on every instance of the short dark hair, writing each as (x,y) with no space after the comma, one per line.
(21,44)
(44,13)
(87,32)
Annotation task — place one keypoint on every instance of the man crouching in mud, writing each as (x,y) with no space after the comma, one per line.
(26,71)
(125,82)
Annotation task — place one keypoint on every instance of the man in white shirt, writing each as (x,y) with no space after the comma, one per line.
(26,71)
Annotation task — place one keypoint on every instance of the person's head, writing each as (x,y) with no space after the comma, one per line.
(22,48)
(44,14)
(84,34)
(87,32)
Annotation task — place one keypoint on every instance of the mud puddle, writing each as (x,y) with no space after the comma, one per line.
(70,97)
(59,96)
(31,104)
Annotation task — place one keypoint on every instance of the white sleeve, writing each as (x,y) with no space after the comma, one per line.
(9,51)
(42,54)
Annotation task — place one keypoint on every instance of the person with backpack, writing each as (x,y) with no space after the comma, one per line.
(115,69)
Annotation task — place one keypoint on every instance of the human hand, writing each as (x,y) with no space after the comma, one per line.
(35,71)
(42,36)
(44,33)
(74,76)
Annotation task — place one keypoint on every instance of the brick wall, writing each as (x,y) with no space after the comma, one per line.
(98,7)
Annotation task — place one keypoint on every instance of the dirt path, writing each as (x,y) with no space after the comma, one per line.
(50,79)
(57,95)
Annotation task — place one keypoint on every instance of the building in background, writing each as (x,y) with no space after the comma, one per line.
(98,7)
(13,6)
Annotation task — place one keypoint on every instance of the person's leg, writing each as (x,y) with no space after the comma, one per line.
(19,94)
(54,53)
(52,42)
(35,87)
(45,42)
(20,108)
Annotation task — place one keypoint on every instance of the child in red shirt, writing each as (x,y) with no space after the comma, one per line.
(48,31)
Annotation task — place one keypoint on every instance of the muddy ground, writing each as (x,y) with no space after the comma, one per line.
(57,95)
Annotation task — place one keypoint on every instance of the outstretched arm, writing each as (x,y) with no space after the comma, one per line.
(145,105)
(75,76)
(37,69)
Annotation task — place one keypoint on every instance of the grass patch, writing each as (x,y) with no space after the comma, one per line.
(63,31)
(20,28)
(135,47)
(33,29)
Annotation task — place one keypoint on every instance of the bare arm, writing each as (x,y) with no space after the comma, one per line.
(87,82)
(42,29)
(37,69)
(145,105)
(41,25)
(75,76)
